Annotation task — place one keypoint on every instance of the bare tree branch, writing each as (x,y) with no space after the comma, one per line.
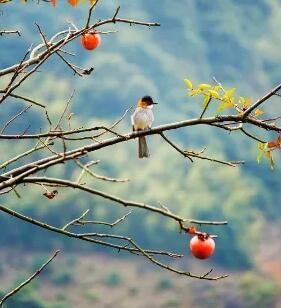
(81,237)
(2,32)
(115,199)
(155,130)
(81,221)
(26,153)
(14,118)
(135,249)
(71,35)
(76,220)
(97,176)
(262,100)
(24,98)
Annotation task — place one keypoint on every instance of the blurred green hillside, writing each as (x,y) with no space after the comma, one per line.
(238,42)
(80,280)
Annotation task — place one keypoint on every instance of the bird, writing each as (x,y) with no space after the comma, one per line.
(142,119)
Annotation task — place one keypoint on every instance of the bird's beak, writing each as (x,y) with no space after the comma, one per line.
(155,103)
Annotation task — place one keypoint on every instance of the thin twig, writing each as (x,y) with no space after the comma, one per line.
(43,38)
(87,239)
(10,32)
(96,222)
(76,71)
(261,100)
(97,176)
(215,160)
(199,156)
(14,118)
(205,108)
(15,158)
(135,249)
(72,222)
(175,147)
(116,122)
(27,281)
(25,99)
(116,13)
(114,198)
(39,59)
(90,13)
(91,163)
(251,136)
(20,67)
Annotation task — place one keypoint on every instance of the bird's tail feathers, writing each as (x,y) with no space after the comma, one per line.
(143,149)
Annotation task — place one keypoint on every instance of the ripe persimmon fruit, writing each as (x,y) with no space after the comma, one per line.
(90,41)
(202,247)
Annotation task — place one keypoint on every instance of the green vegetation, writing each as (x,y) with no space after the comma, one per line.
(243,289)
(258,291)
(62,278)
(61,297)
(236,41)
(37,262)
(27,297)
(93,296)
(58,305)
(71,261)
(133,291)
(173,302)
(113,279)
(164,284)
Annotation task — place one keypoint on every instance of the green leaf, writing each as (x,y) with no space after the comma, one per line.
(193,92)
(242,100)
(204,86)
(259,157)
(224,106)
(188,83)
(272,163)
(217,88)
(268,154)
(229,93)
(206,101)
(262,146)
(214,93)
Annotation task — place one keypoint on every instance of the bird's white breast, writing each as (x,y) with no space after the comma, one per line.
(142,118)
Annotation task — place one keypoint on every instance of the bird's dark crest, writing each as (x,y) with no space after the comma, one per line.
(147,99)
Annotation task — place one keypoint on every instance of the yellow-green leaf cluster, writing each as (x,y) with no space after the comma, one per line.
(245,102)
(264,151)
(225,98)
(210,92)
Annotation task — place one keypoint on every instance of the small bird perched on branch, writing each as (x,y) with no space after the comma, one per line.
(142,119)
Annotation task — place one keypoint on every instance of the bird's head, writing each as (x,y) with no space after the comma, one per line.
(146,102)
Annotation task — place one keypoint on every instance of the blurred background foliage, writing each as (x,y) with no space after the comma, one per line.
(238,42)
